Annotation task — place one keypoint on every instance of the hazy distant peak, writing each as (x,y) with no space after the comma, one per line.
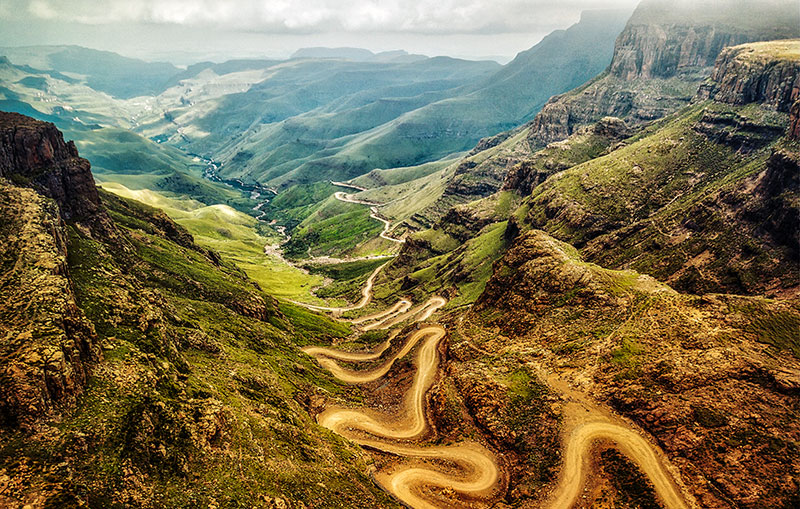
(357,55)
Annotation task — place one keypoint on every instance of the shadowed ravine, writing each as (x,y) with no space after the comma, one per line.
(471,471)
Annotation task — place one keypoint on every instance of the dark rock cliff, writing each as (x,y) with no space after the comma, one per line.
(794,116)
(753,73)
(49,344)
(34,154)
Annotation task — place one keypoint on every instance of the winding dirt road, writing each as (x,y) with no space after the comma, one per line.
(476,472)
(366,296)
(630,443)
(400,307)
(473,469)
(467,468)
(412,423)
(424,311)
(373,209)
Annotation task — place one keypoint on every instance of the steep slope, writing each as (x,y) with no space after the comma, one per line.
(712,379)
(138,368)
(454,255)
(707,199)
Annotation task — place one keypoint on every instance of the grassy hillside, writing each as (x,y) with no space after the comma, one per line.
(238,238)
(704,199)
(654,204)
(198,389)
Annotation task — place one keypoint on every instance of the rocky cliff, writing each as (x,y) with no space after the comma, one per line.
(699,200)
(767,73)
(48,344)
(794,116)
(33,153)
(665,39)
(664,53)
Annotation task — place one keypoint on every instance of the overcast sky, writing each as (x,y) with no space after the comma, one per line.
(189,29)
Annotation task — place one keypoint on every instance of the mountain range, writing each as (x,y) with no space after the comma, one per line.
(354,279)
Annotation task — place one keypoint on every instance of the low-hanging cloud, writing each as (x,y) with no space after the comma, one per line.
(287,16)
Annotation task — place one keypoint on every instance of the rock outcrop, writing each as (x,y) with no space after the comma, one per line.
(794,116)
(587,143)
(539,272)
(660,59)
(46,343)
(762,73)
(34,154)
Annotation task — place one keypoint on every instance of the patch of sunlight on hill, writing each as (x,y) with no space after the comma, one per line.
(235,236)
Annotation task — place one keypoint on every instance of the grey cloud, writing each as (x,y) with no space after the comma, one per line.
(292,16)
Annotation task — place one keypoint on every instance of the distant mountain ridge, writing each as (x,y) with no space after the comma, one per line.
(119,76)
(332,113)
(442,126)
(356,54)
(659,62)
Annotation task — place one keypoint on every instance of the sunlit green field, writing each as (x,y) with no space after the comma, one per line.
(234,235)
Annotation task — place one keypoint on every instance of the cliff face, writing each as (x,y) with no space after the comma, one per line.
(34,153)
(762,73)
(665,51)
(49,343)
(656,51)
(794,116)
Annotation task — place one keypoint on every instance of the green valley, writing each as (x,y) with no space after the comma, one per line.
(259,266)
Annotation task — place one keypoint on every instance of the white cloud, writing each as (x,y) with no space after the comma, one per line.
(303,16)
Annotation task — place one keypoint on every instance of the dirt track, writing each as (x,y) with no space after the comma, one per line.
(473,470)
(373,209)
(366,296)
(630,443)
(476,472)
